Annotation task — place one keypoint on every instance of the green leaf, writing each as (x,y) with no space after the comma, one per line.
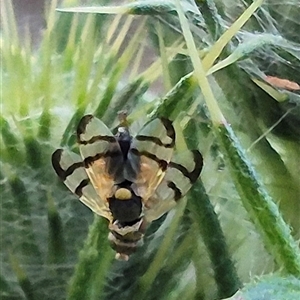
(100,63)
(270,287)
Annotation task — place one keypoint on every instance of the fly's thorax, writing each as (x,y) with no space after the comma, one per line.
(124,139)
(126,239)
(125,205)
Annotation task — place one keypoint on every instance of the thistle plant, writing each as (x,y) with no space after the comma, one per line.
(227,74)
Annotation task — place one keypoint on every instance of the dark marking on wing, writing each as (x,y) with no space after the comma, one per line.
(170,133)
(81,128)
(56,156)
(154,140)
(198,159)
(177,191)
(63,174)
(170,130)
(107,138)
(162,163)
(79,188)
(90,159)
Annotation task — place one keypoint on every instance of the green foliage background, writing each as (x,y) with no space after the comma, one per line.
(223,234)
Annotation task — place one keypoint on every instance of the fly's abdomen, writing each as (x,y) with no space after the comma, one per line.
(125,240)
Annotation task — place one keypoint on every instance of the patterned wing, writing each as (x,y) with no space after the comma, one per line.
(183,171)
(101,154)
(70,169)
(149,155)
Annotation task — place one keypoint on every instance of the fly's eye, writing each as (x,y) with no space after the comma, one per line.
(123,194)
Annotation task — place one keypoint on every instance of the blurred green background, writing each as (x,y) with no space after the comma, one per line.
(57,66)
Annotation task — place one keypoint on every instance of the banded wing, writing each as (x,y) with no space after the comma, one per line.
(149,155)
(70,169)
(182,172)
(101,154)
